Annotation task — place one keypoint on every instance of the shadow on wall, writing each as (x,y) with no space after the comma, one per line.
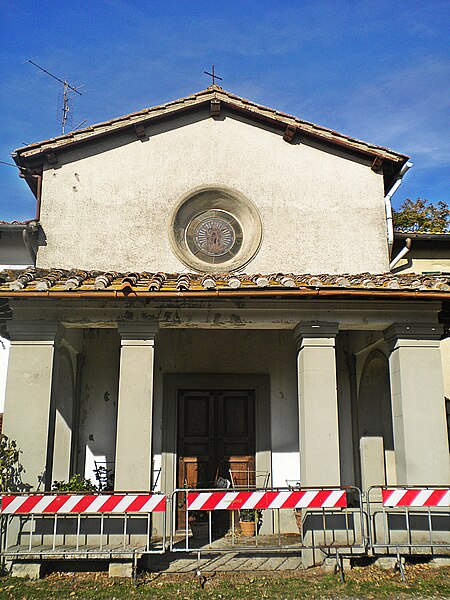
(374,400)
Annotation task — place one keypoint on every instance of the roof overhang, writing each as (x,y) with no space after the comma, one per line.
(39,283)
(441,238)
(31,226)
(34,155)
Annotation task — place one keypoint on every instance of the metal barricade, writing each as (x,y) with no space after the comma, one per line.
(408,520)
(329,519)
(81,525)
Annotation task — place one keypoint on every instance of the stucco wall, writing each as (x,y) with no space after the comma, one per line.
(109,207)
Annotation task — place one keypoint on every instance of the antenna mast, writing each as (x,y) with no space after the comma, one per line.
(66,88)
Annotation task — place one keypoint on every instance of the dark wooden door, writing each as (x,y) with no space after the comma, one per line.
(216,433)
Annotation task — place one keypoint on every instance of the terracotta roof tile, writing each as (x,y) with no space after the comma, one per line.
(97,283)
(30,221)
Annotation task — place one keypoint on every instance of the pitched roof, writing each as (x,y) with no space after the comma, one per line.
(97,284)
(212,93)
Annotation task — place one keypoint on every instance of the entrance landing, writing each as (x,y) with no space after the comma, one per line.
(230,561)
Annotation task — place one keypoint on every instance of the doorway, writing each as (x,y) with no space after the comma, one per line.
(258,385)
(215,435)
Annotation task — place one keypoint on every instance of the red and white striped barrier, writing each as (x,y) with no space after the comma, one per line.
(114,503)
(415,497)
(266,500)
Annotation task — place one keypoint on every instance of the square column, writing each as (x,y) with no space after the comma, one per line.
(28,418)
(133,470)
(418,407)
(317,401)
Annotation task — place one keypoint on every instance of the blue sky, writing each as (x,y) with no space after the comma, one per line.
(376,70)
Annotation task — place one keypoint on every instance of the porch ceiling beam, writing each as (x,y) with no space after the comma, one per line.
(139,130)
(289,133)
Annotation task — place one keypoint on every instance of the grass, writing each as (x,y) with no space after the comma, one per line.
(366,582)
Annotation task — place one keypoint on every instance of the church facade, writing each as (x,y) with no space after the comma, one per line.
(212,297)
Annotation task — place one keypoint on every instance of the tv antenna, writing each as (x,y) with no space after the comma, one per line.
(66,90)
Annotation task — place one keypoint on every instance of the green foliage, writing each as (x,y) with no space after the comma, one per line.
(77,483)
(248,514)
(10,467)
(422,216)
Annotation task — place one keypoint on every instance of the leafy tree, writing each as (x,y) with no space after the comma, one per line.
(422,216)
(10,467)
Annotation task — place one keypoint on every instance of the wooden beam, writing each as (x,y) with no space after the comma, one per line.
(289,133)
(50,157)
(377,164)
(139,130)
(214,107)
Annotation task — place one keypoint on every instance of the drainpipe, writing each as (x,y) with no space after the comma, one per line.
(402,253)
(388,205)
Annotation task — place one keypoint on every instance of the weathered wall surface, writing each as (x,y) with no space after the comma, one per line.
(109,207)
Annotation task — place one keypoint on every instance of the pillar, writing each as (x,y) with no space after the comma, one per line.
(27,418)
(418,406)
(317,399)
(133,469)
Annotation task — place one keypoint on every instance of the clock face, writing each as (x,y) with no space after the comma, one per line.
(214,236)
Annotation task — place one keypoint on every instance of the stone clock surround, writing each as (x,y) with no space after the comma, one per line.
(237,235)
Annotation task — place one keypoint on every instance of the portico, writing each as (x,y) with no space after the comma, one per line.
(122,404)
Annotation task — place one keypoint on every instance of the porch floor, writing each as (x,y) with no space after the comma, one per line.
(229,561)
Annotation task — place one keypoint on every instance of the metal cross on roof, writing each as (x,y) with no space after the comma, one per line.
(213,75)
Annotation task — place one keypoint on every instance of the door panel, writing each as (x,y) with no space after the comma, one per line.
(216,433)
(236,435)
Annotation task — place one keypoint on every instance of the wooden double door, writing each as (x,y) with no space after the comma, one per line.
(216,434)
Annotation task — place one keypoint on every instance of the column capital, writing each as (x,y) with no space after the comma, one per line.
(417,334)
(315,333)
(137,333)
(36,332)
